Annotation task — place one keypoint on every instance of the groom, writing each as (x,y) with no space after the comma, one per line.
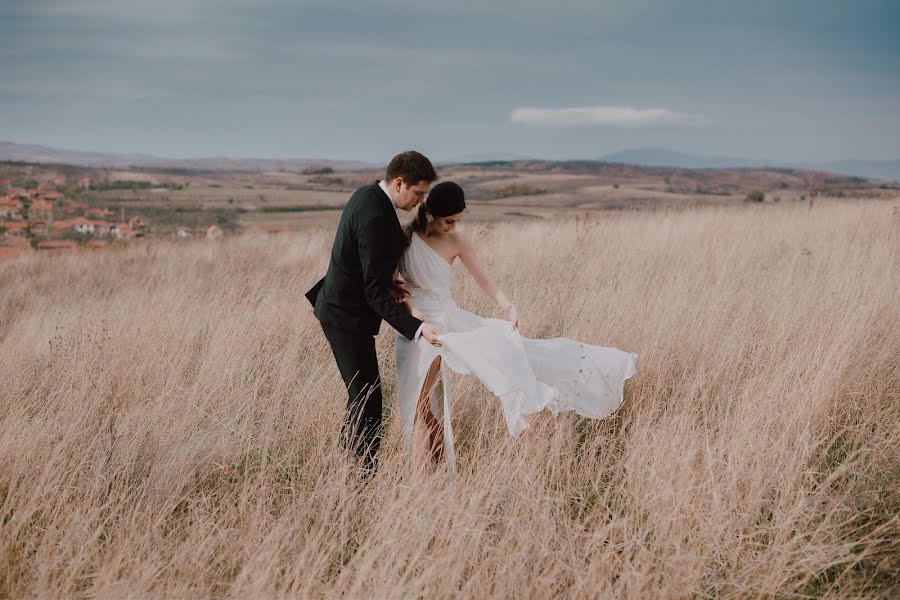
(359,291)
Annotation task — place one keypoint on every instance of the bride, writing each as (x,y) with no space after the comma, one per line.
(527,375)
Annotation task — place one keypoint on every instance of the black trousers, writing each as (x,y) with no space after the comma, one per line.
(356,360)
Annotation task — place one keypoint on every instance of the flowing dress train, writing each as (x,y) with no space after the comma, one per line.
(527,375)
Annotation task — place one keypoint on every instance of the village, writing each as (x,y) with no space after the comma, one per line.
(45,219)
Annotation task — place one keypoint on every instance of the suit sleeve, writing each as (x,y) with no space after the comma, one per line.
(377,246)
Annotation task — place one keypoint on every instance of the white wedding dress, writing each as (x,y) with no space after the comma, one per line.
(526,375)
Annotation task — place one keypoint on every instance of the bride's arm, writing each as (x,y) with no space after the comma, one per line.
(490,289)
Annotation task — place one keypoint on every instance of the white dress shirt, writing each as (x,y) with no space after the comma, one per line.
(384,188)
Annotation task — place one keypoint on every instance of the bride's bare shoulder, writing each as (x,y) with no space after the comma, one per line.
(461,242)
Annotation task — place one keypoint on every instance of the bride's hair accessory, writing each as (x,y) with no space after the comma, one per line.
(445,199)
(428,216)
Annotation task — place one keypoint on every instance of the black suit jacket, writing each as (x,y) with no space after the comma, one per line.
(353,296)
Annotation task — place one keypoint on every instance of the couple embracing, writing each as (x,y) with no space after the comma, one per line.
(380,272)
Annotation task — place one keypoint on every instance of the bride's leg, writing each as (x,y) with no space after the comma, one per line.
(433,427)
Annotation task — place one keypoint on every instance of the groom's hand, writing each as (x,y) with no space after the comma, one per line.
(431,333)
(398,291)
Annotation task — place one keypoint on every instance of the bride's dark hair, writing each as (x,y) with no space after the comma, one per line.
(445,199)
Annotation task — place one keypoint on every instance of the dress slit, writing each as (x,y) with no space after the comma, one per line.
(430,420)
(437,403)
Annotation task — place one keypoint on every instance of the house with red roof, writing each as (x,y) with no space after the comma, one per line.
(100,213)
(102,228)
(123,231)
(59,179)
(57,245)
(10,208)
(82,225)
(214,232)
(38,227)
(15,242)
(59,226)
(183,233)
(71,208)
(41,207)
(85,183)
(15,227)
(137,225)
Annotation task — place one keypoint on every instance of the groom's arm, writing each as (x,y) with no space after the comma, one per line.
(398,279)
(377,252)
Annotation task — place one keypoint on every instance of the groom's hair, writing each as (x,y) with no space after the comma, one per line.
(412,166)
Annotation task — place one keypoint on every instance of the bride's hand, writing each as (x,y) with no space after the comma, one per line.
(513,315)
(431,333)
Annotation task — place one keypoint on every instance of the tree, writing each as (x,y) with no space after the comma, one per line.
(755,196)
(318,170)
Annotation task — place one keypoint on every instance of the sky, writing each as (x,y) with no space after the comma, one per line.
(788,80)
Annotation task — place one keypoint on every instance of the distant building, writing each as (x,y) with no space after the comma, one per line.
(38,227)
(59,180)
(183,232)
(59,226)
(15,227)
(57,245)
(137,226)
(10,208)
(41,207)
(214,232)
(84,183)
(123,231)
(100,213)
(15,242)
(102,228)
(82,225)
(73,207)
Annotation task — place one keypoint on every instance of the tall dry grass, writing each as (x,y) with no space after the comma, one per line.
(169,418)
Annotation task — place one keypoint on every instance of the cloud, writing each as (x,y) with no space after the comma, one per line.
(603,116)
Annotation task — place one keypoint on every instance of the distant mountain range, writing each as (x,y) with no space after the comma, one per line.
(650,157)
(661,157)
(43,154)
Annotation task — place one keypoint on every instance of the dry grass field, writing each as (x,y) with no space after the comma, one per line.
(169,415)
